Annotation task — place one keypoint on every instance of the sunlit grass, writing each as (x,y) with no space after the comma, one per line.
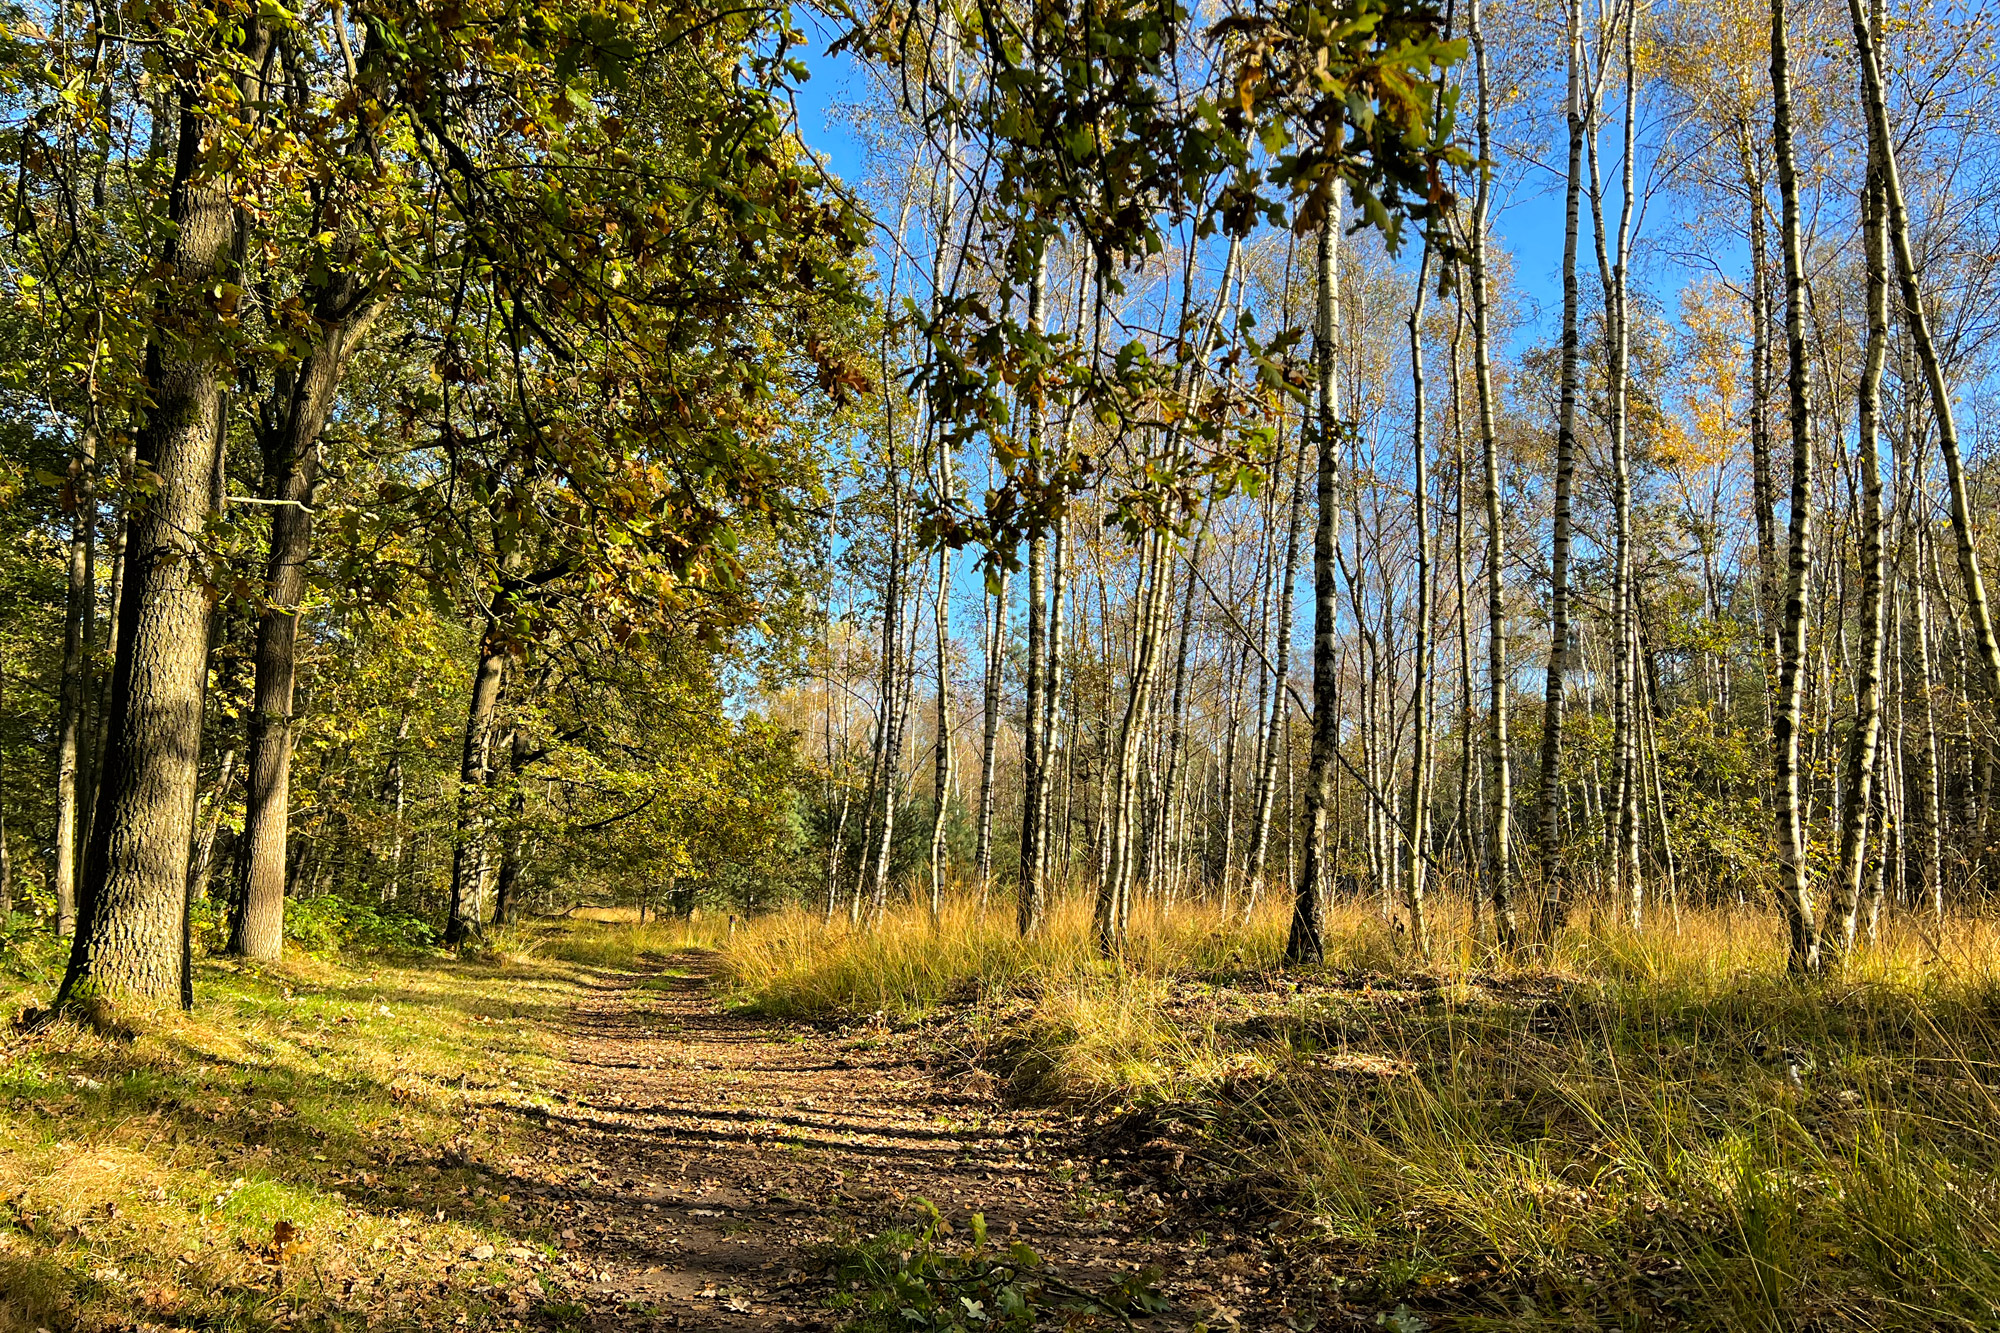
(320,1144)
(1626,1128)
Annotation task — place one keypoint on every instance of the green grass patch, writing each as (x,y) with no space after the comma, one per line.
(328,1143)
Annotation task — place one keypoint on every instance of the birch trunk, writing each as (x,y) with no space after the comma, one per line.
(1554,887)
(1500,852)
(1305,943)
(1915,318)
(1796,892)
(1861,763)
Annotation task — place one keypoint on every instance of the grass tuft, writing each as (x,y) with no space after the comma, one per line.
(1635,1128)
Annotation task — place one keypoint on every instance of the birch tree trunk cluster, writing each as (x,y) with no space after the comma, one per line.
(1707,486)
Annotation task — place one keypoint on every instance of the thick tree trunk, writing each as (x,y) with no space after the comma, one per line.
(1795,891)
(132,909)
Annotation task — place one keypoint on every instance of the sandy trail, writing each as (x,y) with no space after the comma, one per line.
(716,1152)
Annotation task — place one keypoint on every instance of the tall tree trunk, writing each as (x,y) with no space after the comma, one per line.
(1915,318)
(132,908)
(1554,872)
(948,182)
(1033,899)
(989,741)
(1274,720)
(507,884)
(100,714)
(893,705)
(464,921)
(1305,942)
(1051,823)
(942,776)
(342,314)
(211,827)
(1418,835)
(1861,765)
(1469,859)
(6,853)
(79,611)
(398,795)
(1177,709)
(1613,270)
(1500,852)
(1796,892)
(1763,491)
(1115,890)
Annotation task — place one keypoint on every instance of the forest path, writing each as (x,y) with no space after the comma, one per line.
(721,1149)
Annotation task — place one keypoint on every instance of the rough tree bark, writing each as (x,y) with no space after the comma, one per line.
(468,854)
(132,908)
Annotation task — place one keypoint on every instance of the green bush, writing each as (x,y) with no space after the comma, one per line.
(332,924)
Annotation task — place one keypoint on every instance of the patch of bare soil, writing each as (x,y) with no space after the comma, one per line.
(710,1157)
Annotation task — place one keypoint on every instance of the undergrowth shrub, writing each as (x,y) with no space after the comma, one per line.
(332,924)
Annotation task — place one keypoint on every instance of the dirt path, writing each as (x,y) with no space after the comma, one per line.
(719,1150)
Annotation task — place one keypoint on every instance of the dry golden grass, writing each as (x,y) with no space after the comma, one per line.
(1642,1129)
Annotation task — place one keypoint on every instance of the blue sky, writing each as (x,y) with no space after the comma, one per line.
(1528,216)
